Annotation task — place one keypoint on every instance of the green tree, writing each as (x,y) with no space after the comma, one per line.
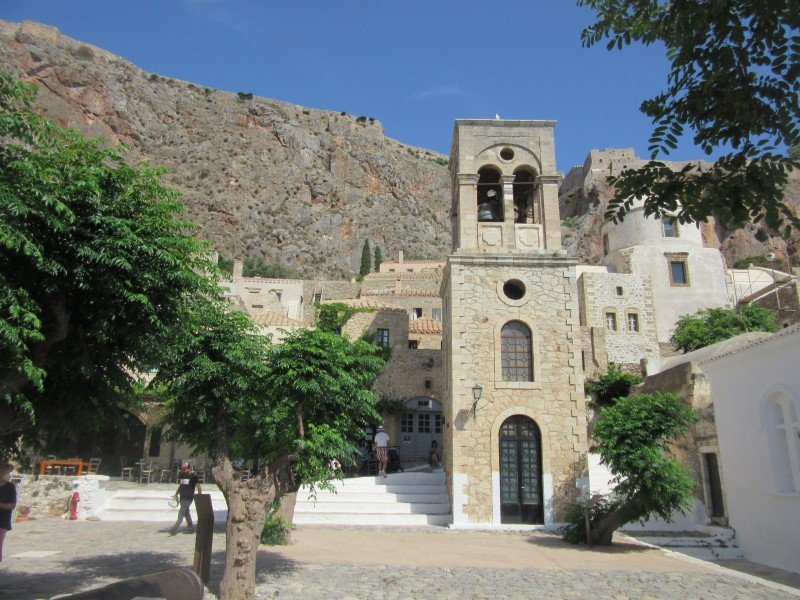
(713,325)
(95,271)
(366,260)
(614,383)
(734,83)
(292,407)
(378,258)
(258,267)
(633,437)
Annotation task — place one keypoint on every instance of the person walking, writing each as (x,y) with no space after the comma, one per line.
(8,500)
(382,450)
(187,484)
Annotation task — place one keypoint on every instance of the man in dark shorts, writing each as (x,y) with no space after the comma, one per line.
(8,500)
(187,483)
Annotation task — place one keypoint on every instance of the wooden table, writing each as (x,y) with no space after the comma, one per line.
(63,463)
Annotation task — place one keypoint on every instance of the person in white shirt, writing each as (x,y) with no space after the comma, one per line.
(382,449)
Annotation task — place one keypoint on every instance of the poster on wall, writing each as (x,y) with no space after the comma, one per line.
(406,440)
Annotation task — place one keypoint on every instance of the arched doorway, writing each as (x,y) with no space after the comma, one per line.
(521,471)
(419,425)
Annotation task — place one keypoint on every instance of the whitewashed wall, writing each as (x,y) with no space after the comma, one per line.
(743,384)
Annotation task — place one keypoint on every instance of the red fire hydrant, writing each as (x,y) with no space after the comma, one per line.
(73,508)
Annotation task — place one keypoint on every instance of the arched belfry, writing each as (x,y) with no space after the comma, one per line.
(505,187)
(511,331)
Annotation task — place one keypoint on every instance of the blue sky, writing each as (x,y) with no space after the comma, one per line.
(416,66)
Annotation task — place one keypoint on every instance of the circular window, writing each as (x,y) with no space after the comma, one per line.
(506,154)
(514,289)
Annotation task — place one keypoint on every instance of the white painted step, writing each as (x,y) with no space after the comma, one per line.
(370,519)
(411,499)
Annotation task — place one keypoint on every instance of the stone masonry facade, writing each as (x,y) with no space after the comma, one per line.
(477,310)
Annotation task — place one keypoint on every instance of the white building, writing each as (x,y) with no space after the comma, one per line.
(756,392)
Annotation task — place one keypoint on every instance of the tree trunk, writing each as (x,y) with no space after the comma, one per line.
(247,512)
(603,530)
(286,511)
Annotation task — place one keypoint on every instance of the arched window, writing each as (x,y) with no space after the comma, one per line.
(779,416)
(524,194)
(490,194)
(516,353)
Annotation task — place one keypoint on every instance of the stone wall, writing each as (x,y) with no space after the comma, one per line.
(688,381)
(600,294)
(476,309)
(49,496)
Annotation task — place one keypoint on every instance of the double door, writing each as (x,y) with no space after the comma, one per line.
(520,471)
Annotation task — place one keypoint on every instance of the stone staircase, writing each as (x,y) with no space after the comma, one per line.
(150,504)
(409,499)
(708,543)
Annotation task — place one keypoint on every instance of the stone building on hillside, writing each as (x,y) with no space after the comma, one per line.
(514,407)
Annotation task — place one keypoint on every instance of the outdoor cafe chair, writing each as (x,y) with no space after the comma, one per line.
(127,472)
(146,471)
(94,465)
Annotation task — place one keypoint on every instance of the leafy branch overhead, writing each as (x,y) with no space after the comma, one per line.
(734,83)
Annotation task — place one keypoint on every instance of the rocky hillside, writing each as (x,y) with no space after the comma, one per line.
(262,178)
(295,186)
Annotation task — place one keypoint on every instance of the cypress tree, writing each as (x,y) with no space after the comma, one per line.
(366,259)
(378,258)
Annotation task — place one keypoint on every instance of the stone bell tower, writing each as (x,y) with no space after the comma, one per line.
(515,421)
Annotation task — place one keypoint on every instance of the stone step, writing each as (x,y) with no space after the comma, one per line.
(711,553)
(370,519)
(365,496)
(154,503)
(387,508)
(393,479)
(164,515)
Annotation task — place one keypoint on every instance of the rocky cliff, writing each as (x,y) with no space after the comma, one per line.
(262,178)
(585,194)
(293,185)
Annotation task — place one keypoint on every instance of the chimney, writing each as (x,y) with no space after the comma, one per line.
(238,267)
(400,257)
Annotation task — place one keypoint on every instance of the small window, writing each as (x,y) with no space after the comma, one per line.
(436,313)
(605,244)
(317,298)
(633,322)
(391,270)
(257,306)
(437,423)
(416,313)
(428,384)
(677,272)
(407,423)
(413,344)
(409,270)
(611,321)
(669,228)
(423,423)
(620,291)
(516,352)
(382,338)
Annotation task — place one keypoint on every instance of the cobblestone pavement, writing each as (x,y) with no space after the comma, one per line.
(352,563)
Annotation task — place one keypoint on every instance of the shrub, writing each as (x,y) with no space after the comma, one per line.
(276,529)
(244,96)
(574,530)
(606,387)
(713,325)
(570,222)
(83,53)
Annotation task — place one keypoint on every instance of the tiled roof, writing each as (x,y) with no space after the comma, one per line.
(274,319)
(365,303)
(432,274)
(425,325)
(404,292)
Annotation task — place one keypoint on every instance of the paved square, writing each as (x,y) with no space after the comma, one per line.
(367,563)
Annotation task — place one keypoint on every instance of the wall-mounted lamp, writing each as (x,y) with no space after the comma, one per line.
(477,390)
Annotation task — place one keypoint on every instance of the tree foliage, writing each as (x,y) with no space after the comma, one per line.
(378,258)
(734,82)
(712,325)
(366,259)
(633,438)
(258,267)
(614,383)
(95,270)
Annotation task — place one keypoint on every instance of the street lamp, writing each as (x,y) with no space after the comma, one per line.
(477,390)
